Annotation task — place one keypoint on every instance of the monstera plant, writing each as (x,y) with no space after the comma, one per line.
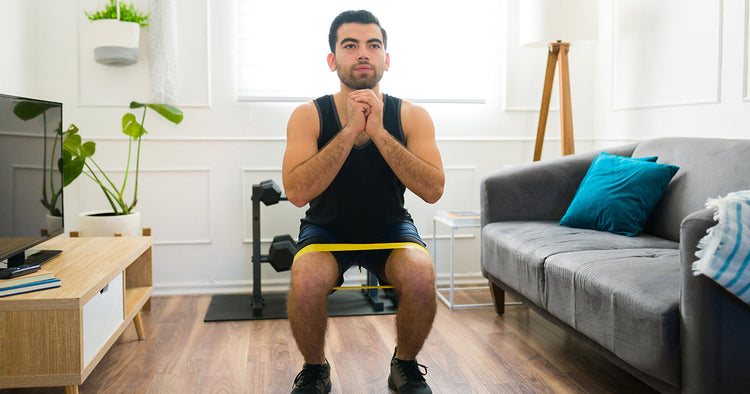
(79,155)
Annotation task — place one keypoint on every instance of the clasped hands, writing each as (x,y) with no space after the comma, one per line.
(365,112)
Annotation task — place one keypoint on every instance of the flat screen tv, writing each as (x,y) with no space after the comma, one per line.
(31,191)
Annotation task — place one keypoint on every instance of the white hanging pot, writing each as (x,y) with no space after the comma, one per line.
(104,224)
(115,41)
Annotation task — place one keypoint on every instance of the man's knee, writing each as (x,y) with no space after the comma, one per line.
(411,270)
(314,273)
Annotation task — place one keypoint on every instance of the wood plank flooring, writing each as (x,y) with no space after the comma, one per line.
(468,351)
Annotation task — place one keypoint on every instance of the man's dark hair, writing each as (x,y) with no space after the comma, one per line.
(362,17)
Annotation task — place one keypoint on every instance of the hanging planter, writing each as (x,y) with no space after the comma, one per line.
(116,33)
(115,42)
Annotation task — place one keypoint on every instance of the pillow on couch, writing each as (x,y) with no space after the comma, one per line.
(618,193)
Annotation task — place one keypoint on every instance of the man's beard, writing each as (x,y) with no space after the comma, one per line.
(361,81)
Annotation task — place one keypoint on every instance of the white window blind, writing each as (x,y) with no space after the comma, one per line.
(439,50)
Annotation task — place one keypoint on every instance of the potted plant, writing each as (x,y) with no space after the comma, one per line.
(116,33)
(78,154)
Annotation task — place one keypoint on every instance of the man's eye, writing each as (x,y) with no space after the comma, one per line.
(375,46)
(349,46)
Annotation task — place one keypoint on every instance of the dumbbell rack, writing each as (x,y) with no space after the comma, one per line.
(257,301)
(232,307)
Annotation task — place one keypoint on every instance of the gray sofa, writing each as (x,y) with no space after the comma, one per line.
(635,299)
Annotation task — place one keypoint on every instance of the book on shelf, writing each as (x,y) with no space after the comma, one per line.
(461,217)
(38,276)
(29,287)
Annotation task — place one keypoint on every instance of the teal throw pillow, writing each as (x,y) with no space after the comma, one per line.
(618,194)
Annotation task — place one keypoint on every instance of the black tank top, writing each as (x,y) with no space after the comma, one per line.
(366,198)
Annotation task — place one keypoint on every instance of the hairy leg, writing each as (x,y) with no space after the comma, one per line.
(313,275)
(413,276)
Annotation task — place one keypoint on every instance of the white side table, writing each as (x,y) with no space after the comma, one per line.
(454,220)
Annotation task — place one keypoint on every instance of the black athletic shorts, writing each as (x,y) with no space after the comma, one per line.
(372,260)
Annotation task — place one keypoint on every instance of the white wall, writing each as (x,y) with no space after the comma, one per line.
(197,176)
(673,68)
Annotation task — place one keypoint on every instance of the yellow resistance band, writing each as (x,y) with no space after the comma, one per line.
(351,247)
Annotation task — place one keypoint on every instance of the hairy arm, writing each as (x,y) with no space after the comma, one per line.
(307,171)
(417,164)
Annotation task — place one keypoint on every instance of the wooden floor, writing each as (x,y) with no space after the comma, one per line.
(468,351)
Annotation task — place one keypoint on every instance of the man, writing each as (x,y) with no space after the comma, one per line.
(351,155)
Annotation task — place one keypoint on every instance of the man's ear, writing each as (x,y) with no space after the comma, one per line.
(332,62)
(387,61)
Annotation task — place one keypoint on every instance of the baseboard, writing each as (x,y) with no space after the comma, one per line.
(282,285)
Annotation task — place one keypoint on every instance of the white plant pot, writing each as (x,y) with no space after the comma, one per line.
(115,41)
(54,223)
(94,224)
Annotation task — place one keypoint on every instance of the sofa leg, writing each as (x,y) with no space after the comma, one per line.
(498,298)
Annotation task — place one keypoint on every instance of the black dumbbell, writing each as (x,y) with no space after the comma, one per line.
(282,251)
(270,192)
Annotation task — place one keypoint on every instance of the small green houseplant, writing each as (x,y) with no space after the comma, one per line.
(127,13)
(78,155)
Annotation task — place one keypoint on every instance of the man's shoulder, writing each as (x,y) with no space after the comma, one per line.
(304,117)
(306,109)
(312,106)
(410,109)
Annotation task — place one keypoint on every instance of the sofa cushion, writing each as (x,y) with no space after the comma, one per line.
(703,174)
(618,193)
(515,252)
(626,300)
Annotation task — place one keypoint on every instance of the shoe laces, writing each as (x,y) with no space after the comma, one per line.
(411,370)
(310,375)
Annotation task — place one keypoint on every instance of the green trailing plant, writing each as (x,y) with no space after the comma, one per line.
(79,154)
(27,110)
(128,13)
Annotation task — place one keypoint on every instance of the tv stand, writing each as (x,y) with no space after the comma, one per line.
(56,337)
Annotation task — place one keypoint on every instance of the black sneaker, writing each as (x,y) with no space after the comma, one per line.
(313,379)
(407,378)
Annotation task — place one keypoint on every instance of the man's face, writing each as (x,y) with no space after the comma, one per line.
(360,57)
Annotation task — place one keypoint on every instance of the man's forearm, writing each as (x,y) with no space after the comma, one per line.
(417,175)
(312,177)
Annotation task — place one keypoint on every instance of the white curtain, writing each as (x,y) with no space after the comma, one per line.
(162,50)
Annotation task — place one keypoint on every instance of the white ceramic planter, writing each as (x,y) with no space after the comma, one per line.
(54,224)
(93,224)
(115,41)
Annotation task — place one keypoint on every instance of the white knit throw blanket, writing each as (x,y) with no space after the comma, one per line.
(724,253)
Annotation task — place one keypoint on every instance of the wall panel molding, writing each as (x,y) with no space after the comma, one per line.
(174,202)
(666,53)
(108,86)
(208,139)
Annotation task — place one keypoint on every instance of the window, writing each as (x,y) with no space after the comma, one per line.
(441,51)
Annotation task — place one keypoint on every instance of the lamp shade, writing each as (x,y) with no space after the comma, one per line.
(546,21)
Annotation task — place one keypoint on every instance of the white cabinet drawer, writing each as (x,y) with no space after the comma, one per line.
(102,315)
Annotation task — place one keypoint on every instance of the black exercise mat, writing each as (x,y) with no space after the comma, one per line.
(231,307)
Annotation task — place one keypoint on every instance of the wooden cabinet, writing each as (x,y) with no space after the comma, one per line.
(56,337)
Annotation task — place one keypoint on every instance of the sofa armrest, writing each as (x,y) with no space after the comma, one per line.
(714,324)
(540,190)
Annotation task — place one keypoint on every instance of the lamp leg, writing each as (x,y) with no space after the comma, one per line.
(549,78)
(566,113)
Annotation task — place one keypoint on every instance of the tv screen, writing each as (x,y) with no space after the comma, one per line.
(31,195)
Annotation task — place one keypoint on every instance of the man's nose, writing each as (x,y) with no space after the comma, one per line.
(363,55)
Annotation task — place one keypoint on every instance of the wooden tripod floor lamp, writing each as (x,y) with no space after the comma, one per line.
(553,24)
